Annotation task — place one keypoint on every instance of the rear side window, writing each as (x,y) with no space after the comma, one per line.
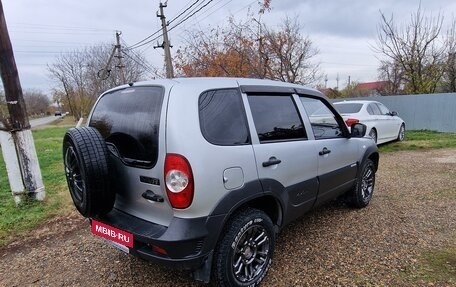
(348,108)
(383,110)
(276,118)
(129,121)
(222,117)
(373,109)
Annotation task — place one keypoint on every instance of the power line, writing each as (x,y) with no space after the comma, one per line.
(191,15)
(183,12)
(137,44)
(149,69)
(58,27)
(197,21)
(147,40)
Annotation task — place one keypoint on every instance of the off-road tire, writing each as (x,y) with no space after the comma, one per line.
(85,158)
(361,194)
(248,239)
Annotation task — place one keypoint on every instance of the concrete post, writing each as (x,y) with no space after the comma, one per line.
(13,169)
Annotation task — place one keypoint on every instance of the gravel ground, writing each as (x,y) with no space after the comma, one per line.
(413,211)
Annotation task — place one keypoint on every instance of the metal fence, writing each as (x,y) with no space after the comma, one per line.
(435,112)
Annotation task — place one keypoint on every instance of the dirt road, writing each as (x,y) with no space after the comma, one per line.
(392,242)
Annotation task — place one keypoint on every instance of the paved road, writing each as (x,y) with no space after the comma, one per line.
(43,121)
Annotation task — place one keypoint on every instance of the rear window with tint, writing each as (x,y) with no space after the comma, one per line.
(222,117)
(129,121)
(348,108)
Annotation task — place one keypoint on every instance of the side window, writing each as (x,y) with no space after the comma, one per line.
(222,117)
(384,110)
(276,118)
(375,109)
(370,110)
(322,119)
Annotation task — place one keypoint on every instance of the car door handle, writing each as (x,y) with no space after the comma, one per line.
(272,161)
(324,151)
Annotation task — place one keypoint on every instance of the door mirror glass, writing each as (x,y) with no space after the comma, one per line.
(358,130)
(393,114)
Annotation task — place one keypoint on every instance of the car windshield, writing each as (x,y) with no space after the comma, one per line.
(348,108)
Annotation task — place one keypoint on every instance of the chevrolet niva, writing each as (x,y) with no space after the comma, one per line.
(203,173)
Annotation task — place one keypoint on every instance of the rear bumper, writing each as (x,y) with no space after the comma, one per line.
(184,244)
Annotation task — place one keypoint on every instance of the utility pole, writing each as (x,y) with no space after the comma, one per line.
(261,63)
(19,124)
(165,45)
(116,52)
(337,80)
(119,57)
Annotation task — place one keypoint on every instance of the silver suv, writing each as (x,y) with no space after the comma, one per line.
(203,173)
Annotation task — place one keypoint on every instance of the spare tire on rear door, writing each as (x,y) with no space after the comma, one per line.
(85,158)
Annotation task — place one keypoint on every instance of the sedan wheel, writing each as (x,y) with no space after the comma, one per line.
(401,135)
(373,135)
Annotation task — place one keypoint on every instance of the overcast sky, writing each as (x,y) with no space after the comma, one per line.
(343,31)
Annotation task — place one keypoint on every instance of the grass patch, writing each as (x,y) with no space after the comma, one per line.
(421,140)
(16,220)
(436,266)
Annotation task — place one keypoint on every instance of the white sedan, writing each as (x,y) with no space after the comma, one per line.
(382,125)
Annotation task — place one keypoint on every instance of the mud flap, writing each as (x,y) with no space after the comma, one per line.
(203,274)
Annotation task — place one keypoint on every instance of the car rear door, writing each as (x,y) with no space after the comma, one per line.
(390,123)
(336,152)
(285,158)
(131,121)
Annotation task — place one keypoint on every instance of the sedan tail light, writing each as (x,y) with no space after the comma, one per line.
(179,181)
(351,121)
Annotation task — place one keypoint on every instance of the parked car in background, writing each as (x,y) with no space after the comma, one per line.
(382,125)
(57,113)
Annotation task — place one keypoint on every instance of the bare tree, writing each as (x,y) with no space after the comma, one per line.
(449,77)
(249,48)
(394,74)
(77,75)
(288,54)
(36,101)
(412,54)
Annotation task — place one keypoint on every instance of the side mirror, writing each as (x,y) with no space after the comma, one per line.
(358,130)
(393,114)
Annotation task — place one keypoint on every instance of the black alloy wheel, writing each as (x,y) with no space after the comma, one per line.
(244,253)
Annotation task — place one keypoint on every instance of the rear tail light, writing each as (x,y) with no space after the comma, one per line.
(351,121)
(179,181)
